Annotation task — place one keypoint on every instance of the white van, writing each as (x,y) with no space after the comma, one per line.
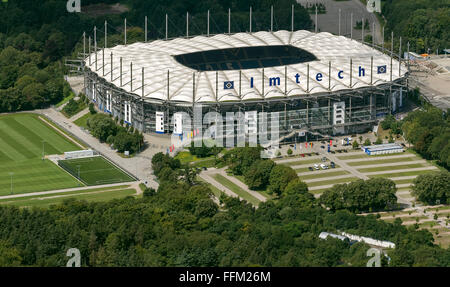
(323,166)
(316,166)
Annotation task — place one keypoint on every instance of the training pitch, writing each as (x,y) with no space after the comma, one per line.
(24,138)
(95,171)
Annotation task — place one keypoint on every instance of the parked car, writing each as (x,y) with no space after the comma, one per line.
(324,159)
(310,169)
(332,164)
(316,167)
(322,147)
(324,166)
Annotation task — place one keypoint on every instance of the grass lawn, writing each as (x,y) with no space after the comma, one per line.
(392,160)
(323,175)
(236,189)
(400,174)
(95,171)
(388,168)
(65,100)
(217,192)
(262,192)
(334,181)
(364,155)
(23,137)
(89,195)
(82,122)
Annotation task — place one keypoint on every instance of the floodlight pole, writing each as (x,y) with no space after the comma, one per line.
(78,167)
(408,55)
(145,28)
(43,150)
(229,21)
(271,18)
(168,85)
(167,26)
(11,174)
(207,30)
(263,82)
(125,30)
(292,18)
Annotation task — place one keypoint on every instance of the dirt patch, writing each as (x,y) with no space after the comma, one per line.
(102,9)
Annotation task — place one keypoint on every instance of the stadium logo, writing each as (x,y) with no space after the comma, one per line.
(276,81)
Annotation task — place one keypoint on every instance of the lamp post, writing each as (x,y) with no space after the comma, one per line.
(43,150)
(11,174)
(78,167)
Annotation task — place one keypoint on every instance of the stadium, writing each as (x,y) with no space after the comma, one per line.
(319,83)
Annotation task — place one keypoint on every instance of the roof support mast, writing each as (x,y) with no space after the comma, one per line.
(292,18)
(187,24)
(167,26)
(271,18)
(95,47)
(207,32)
(250,19)
(106,34)
(125,31)
(145,28)
(339,22)
(229,21)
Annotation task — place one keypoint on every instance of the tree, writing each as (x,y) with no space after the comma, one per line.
(257,175)
(280,176)
(367,142)
(432,188)
(355,145)
(290,152)
(379,141)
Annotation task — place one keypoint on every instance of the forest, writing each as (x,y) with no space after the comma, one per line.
(423,23)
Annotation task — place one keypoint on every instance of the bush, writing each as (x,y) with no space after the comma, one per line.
(92,109)
(290,152)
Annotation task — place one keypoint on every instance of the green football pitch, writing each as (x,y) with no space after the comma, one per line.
(95,171)
(23,138)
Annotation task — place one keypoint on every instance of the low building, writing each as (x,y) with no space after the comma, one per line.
(383,149)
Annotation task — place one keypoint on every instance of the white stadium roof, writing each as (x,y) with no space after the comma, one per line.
(157,58)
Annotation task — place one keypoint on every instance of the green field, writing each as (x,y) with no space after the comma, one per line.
(389,168)
(392,160)
(323,175)
(333,181)
(23,139)
(95,171)
(82,122)
(99,194)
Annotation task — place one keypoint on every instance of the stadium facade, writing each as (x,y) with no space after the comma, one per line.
(318,83)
